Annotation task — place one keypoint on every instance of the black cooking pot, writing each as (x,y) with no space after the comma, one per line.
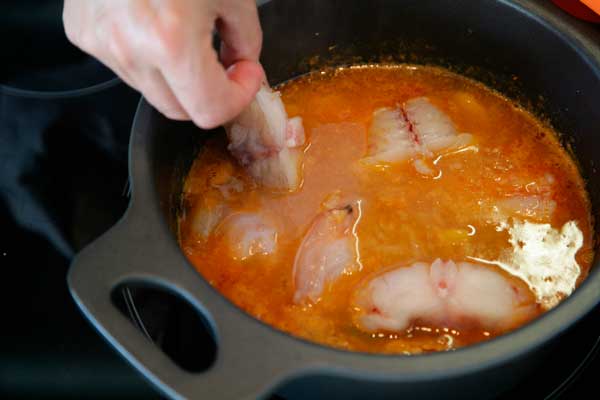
(529,51)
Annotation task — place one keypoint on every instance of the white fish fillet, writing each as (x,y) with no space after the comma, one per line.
(206,217)
(443,293)
(266,142)
(327,251)
(249,234)
(416,128)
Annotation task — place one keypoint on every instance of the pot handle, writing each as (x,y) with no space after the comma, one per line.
(249,361)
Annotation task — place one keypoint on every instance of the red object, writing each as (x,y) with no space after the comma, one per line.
(577,9)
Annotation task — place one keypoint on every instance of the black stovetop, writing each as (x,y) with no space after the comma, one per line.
(63,181)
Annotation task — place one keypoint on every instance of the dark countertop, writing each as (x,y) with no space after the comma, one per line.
(59,190)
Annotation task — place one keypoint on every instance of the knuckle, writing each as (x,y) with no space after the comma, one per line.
(175,113)
(120,49)
(256,46)
(77,31)
(72,33)
(69,24)
(252,46)
(169,35)
(79,35)
(169,44)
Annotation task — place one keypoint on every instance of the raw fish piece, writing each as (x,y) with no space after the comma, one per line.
(327,251)
(266,142)
(442,294)
(416,128)
(248,234)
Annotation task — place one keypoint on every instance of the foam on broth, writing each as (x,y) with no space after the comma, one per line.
(457,214)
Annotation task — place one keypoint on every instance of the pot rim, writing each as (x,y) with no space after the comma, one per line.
(59,94)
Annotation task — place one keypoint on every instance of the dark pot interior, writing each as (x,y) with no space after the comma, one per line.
(531,53)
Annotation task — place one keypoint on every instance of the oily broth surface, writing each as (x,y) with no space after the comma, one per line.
(405,216)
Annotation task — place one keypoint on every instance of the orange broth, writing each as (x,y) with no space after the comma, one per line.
(405,216)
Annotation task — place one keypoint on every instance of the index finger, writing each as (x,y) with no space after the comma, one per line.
(210,94)
(240,31)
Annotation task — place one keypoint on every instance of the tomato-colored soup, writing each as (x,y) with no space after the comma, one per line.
(432,214)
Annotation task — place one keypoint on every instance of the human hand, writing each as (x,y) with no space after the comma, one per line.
(163,48)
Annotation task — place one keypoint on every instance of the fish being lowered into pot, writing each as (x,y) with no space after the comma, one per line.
(267,143)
